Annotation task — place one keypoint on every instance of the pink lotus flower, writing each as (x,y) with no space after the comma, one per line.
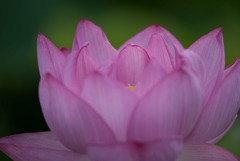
(151,100)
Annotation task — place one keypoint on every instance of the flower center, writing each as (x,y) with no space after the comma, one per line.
(131,87)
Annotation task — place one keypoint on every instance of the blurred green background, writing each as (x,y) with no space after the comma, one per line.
(21,21)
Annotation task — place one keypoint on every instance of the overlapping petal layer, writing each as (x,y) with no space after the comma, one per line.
(170,108)
(157,48)
(70,118)
(99,47)
(113,101)
(152,74)
(78,65)
(220,111)
(152,100)
(211,50)
(50,58)
(143,37)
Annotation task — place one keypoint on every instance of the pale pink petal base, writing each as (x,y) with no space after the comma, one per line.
(206,152)
(42,146)
(161,150)
(117,152)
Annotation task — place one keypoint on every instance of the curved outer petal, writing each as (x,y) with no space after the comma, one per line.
(131,63)
(161,150)
(42,146)
(78,65)
(170,108)
(157,48)
(151,75)
(206,152)
(219,137)
(71,119)
(143,37)
(99,48)
(65,51)
(113,101)
(221,109)
(194,62)
(210,48)
(50,58)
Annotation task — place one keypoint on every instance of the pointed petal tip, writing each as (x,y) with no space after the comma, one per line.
(214,33)
(85,22)
(236,61)
(217,31)
(156,26)
(41,39)
(41,36)
(83,48)
(232,67)
(219,34)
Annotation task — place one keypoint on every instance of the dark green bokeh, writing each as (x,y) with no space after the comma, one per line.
(21,21)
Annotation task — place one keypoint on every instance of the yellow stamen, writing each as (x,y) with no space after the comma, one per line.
(131,87)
